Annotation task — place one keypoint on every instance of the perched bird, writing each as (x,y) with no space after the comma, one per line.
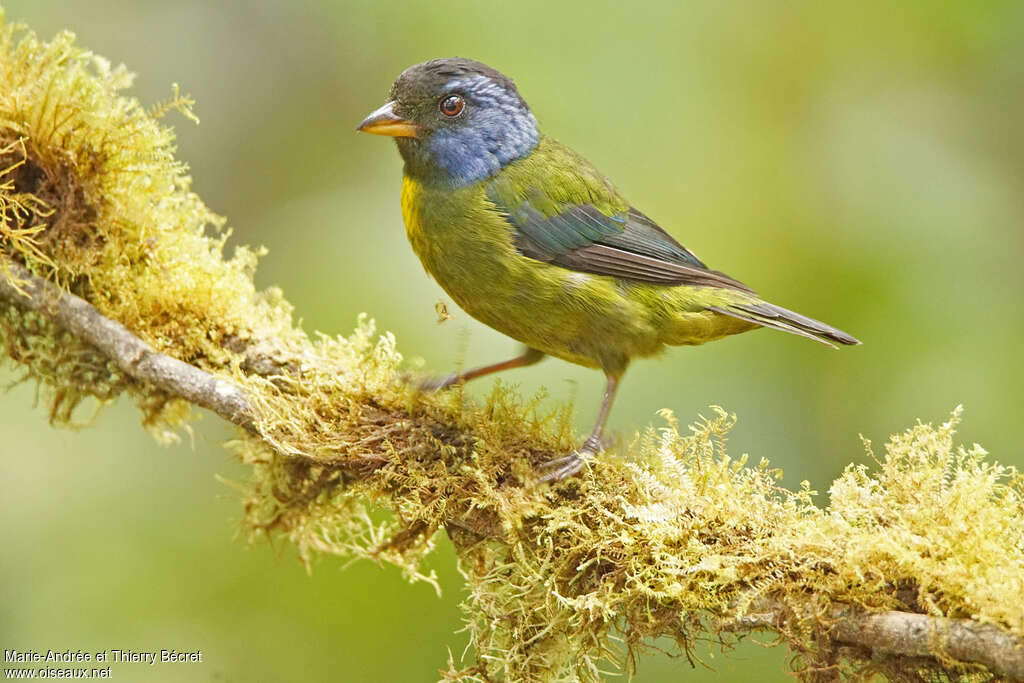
(532,240)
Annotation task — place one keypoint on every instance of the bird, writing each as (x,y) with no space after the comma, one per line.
(531,239)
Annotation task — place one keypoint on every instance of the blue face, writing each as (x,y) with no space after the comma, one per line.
(470,124)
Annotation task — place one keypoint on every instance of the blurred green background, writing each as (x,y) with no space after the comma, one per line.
(859,162)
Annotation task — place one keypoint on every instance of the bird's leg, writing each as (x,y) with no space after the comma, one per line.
(571,464)
(527,357)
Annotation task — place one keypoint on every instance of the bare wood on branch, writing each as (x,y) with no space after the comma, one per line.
(133,356)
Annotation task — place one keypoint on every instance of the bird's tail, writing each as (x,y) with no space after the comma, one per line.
(778,318)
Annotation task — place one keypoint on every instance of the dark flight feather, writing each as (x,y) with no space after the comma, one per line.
(779,318)
(626,245)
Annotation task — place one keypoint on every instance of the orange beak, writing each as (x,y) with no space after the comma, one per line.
(385,121)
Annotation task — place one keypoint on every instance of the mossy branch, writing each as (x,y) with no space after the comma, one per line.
(134,357)
(881,634)
(113,281)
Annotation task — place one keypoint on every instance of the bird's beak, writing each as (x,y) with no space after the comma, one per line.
(385,121)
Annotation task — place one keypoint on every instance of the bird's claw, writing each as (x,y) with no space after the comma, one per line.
(563,468)
(438,383)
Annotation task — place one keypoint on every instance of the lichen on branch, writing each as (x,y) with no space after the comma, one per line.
(113,281)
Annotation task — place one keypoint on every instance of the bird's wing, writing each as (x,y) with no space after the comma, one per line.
(563,211)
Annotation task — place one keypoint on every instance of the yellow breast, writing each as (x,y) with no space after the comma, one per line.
(411,192)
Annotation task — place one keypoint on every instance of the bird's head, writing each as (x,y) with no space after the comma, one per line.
(456,121)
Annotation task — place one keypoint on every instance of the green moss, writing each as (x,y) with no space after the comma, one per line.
(92,197)
(671,538)
(674,539)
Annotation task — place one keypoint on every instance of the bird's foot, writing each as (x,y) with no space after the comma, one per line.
(562,468)
(438,383)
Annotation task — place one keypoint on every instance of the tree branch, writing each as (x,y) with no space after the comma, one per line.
(903,634)
(917,635)
(134,357)
(883,634)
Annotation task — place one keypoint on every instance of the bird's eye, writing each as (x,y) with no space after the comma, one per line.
(452,105)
